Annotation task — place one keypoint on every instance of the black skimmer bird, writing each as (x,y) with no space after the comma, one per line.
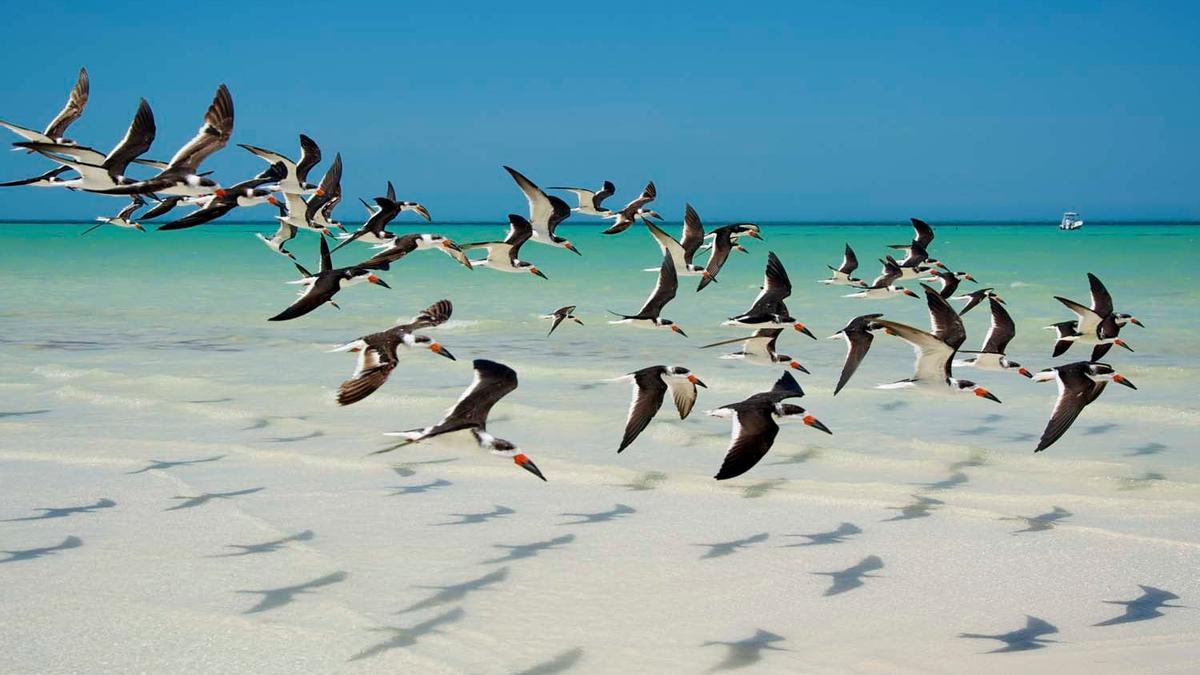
(681,252)
(759,349)
(323,217)
(467,420)
(754,425)
(629,214)
(328,190)
(649,316)
(282,236)
(320,288)
(1079,384)
(560,315)
(950,281)
(163,207)
(991,356)
(73,110)
(1096,325)
(545,212)
(883,287)
(591,202)
(379,353)
(245,194)
(502,255)
(374,231)
(180,177)
(722,244)
(650,387)
(858,336)
(916,260)
(935,351)
(97,172)
(122,219)
(976,297)
(841,273)
(768,310)
(736,231)
(295,179)
(404,205)
(404,244)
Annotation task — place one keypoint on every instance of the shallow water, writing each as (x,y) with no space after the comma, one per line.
(119,347)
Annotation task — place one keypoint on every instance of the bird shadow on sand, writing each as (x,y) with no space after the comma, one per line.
(835,536)
(274,598)
(893,405)
(22,413)
(796,458)
(1042,521)
(263,422)
(296,439)
(1020,640)
(852,577)
(162,464)
(976,430)
(973,460)
(618,511)
(645,481)
(453,593)
(201,500)
(1141,482)
(266,546)
(559,663)
(401,638)
(530,550)
(476,518)
(64,511)
(918,508)
(1142,608)
(1097,429)
(1152,448)
(993,418)
(407,469)
(724,548)
(1024,437)
(950,482)
(41,552)
(417,489)
(760,489)
(747,652)
(226,399)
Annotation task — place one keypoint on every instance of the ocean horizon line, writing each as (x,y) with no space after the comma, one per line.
(776,222)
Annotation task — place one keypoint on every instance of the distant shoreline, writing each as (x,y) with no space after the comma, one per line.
(774,223)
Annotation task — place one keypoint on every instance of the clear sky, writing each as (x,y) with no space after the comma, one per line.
(805,111)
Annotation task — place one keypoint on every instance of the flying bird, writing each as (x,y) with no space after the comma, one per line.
(320,288)
(759,349)
(466,422)
(122,219)
(934,351)
(560,315)
(976,297)
(858,336)
(649,316)
(841,273)
(755,426)
(295,179)
(629,214)
(650,387)
(502,255)
(768,310)
(545,212)
(1095,325)
(681,252)
(591,201)
(884,286)
(73,109)
(1079,384)
(379,353)
(991,356)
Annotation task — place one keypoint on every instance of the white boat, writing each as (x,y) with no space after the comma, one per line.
(1070,221)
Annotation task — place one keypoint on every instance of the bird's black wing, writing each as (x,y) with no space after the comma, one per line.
(754,432)
(649,391)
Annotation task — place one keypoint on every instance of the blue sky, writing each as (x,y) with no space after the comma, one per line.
(748,110)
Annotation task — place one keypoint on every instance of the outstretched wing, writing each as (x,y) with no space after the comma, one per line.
(649,389)
(76,101)
(213,135)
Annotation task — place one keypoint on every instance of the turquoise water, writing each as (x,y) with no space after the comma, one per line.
(126,307)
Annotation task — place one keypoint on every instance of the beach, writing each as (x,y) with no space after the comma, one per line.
(139,369)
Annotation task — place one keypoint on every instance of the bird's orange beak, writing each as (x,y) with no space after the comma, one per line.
(1121,379)
(984,393)
(696,381)
(910,293)
(220,193)
(1024,372)
(272,201)
(815,423)
(524,462)
(795,365)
